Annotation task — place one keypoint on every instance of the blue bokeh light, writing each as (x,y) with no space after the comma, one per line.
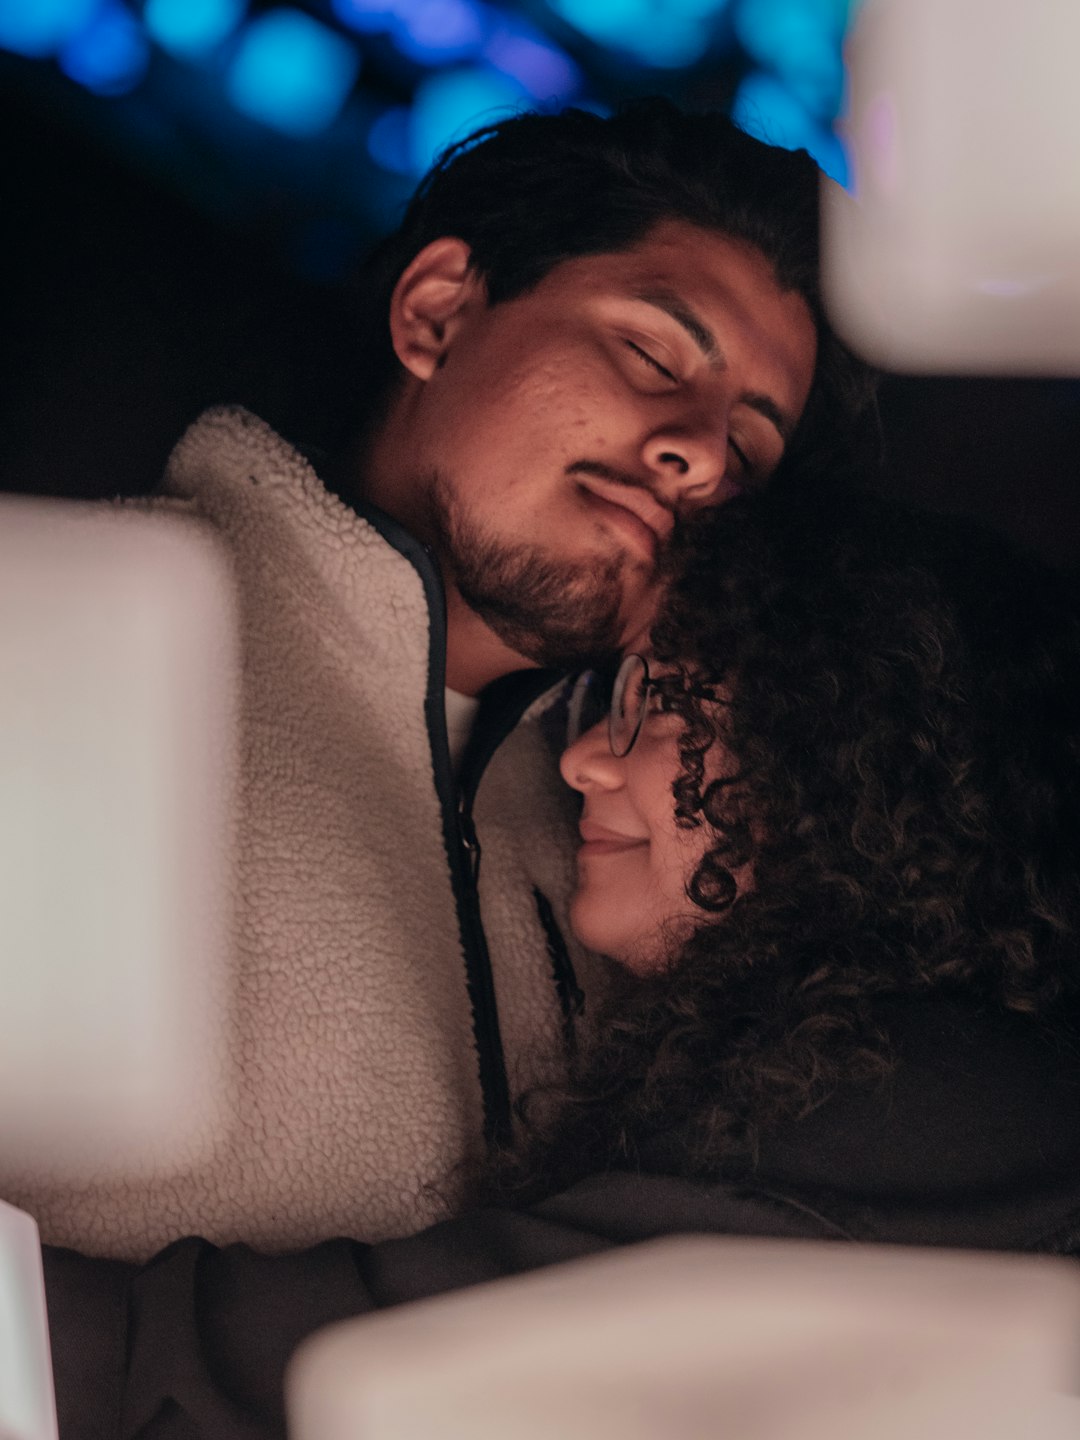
(39,28)
(438,32)
(764,107)
(438,70)
(663,34)
(292,73)
(801,40)
(451,103)
(389,141)
(370,17)
(192,27)
(542,70)
(110,55)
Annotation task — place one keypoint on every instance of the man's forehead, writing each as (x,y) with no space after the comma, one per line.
(691,273)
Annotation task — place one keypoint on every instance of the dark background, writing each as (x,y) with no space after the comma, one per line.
(129,307)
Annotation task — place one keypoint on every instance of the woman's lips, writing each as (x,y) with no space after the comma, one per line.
(599,840)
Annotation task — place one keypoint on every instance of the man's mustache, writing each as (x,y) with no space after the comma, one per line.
(598,470)
(601,471)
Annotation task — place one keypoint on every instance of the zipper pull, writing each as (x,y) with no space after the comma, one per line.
(470,844)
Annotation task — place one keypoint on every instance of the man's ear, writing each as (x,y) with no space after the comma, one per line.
(429,300)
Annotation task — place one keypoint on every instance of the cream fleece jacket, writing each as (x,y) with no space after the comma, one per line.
(355,1088)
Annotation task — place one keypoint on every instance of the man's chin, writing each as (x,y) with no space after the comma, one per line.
(552,610)
(552,614)
(548,642)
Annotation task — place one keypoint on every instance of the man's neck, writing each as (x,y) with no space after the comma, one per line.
(475,656)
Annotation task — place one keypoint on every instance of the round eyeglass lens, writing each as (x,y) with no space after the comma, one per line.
(589,703)
(628,700)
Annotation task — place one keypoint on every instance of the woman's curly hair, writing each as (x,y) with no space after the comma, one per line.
(902,694)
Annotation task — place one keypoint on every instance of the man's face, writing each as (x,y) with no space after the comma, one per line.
(563,434)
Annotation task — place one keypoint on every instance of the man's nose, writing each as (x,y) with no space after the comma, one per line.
(689,466)
(588,763)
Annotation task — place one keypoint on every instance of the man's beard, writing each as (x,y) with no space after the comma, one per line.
(558,613)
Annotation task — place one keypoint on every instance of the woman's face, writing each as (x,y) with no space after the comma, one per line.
(630,902)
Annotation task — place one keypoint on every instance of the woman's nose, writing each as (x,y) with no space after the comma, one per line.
(588,762)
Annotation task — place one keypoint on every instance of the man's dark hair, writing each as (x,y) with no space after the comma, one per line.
(534,190)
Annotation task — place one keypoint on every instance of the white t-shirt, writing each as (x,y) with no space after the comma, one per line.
(460,717)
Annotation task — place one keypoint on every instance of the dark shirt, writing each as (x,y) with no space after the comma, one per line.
(973,1140)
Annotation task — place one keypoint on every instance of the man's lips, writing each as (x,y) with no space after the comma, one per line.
(599,840)
(643,517)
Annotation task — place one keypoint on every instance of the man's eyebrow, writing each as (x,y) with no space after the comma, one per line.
(681,313)
(672,304)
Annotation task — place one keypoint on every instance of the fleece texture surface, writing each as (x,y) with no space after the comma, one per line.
(355,1089)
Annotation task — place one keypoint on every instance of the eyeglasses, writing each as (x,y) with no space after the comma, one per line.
(629,702)
(624,703)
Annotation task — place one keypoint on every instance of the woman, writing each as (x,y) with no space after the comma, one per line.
(870,884)
(830,834)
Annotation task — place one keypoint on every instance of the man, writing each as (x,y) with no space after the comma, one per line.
(596,328)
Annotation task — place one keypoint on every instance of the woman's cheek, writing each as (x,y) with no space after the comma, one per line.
(616,908)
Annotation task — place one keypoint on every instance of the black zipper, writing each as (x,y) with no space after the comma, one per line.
(502,706)
(469,841)
(571,996)
(463,850)
(459,834)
